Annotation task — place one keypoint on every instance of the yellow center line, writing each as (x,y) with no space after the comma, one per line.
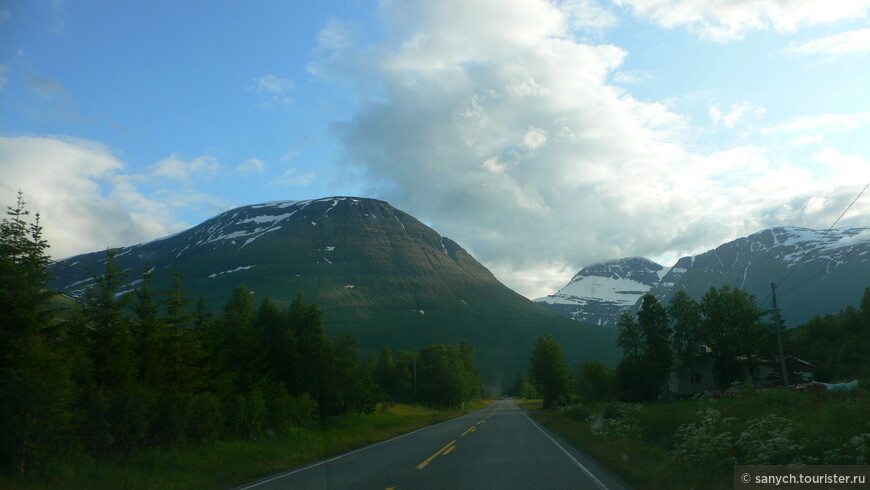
(449,449)
(467,431)
(430,458)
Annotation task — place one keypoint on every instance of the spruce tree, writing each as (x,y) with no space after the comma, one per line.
(36,388)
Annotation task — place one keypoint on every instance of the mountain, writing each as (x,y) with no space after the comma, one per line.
(377,272)
(598,293)
(820,272)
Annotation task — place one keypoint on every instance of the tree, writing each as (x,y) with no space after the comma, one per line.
(36,388)
(119,410)
(548,370)
(688,337)
(23,275)
(629,372)
(312,352)
(594,381)
(733,328)
(657,357)
(525,388)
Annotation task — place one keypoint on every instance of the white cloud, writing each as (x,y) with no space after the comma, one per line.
(823,122)
(737,113)
(821,129)
(251,165)
(534,138)
(632,77)
(726,20)
(856,41)
(587,14)
(270,84)
(275,90)
(336,34)
(184,172)
(292,178)
(495,124)
(85,201)
(842,167)
(290,155)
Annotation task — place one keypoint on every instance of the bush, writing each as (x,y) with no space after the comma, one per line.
(770,439)
(574,411)
(855,451)
(708,442)
(613,423)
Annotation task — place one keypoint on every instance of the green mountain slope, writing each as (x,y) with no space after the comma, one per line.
(378,273)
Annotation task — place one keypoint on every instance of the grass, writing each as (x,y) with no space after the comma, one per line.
(817,428)
(226,463)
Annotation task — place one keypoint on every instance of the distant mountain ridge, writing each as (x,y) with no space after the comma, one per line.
(377,272)
(823,280)
(598,293)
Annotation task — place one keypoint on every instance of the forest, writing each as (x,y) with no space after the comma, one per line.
(120,371)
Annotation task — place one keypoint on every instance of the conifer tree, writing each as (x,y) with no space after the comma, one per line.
(36,389)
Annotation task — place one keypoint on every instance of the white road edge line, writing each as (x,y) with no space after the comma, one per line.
(592,477)
(314,465)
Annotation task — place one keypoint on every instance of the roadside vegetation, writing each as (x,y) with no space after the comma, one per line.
(147,378)
(623,416)
(224,463)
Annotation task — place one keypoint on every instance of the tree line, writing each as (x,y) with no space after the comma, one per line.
(726,332)
(122,371)
(726,329)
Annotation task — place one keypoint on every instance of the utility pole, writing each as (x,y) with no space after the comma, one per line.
(778,321)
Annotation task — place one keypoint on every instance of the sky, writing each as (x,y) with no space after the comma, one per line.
(542,136)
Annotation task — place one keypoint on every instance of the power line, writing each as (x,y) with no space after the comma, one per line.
(798,263)
(856,247)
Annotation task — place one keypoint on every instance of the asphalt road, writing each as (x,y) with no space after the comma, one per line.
(497,447)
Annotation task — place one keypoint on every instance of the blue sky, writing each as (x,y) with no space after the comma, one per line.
(541,136)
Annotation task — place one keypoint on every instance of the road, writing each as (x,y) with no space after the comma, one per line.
(497,447)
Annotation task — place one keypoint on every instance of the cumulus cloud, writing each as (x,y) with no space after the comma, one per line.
(848,42)
(726,20)
(78,186)
(496,124)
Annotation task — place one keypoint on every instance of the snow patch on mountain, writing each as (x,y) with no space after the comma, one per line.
(598,293)
(237,269)
(621,291)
